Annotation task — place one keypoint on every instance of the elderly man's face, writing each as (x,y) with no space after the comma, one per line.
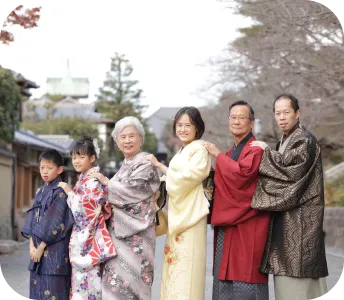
(129,141)
(240,124)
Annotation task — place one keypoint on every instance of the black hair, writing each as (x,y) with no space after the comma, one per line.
(244,103)
(293,101)
(195,118)
(52,155)
(84,146)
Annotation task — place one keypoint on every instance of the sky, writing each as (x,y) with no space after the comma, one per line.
(167,42)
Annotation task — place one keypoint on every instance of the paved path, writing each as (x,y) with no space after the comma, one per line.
(14,269)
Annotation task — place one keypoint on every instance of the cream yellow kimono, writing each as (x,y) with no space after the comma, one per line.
(184,265)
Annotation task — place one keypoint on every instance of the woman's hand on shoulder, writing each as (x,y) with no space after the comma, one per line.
(152,159)
(99,176)
(65,187)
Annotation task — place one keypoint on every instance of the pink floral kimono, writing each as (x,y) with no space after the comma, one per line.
(90,243)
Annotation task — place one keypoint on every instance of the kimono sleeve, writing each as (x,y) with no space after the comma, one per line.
(283,178)
(235,185)
(190,176)
(144,179)
(27,228)
(57,222)
(30,218)
(90,201)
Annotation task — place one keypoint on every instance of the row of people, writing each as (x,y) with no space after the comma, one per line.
(267,215)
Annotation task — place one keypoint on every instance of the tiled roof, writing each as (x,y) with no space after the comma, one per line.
(29,138)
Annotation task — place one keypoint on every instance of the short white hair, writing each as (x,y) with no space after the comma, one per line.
(125,122)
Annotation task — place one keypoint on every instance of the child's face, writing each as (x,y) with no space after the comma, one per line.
(82,162)
(49,171)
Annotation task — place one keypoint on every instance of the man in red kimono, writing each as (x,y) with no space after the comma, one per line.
(240,231)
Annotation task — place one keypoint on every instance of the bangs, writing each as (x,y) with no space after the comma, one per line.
(79,149)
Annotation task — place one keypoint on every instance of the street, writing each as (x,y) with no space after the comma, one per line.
(14,269)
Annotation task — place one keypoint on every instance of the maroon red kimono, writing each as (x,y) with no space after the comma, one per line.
(246,228)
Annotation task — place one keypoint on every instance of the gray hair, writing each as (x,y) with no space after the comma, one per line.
(128,121)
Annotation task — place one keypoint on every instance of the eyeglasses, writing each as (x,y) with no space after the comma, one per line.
(240,118)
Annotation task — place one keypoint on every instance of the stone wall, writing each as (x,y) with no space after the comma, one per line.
(334,230)
(5,197)
(6,230)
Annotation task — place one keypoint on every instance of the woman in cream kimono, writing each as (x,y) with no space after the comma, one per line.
(184,264)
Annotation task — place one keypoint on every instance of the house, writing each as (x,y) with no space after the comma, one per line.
(22,178)
(157,122)
(24,84)
(7,192)
(42,108)
(8,169)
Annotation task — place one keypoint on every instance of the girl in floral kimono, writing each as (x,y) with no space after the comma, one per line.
(184,264)
(90,243)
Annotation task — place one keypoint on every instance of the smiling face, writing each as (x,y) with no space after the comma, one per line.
(285,115)
(185,130)
(240,124)
(82,162)
(49,170)
(129,141)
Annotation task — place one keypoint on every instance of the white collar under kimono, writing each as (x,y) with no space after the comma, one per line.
(127,162)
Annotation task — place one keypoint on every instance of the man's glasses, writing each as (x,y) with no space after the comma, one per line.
(240,118)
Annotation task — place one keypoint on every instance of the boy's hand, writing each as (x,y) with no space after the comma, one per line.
(36,257)
(65,187)
(32,251)
(32,247)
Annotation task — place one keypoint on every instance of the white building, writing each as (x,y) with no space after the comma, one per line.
(68,85)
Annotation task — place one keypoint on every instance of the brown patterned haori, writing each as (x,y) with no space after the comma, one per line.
(291,187)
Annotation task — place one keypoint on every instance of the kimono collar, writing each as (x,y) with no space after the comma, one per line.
(54,183)
(94,169)
(238,148)
(285,136)
(195,142)
(134,158)
(127,162)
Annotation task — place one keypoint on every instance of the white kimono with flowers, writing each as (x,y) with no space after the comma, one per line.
(184,265)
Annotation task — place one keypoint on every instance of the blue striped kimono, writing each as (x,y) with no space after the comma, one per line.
(50,220)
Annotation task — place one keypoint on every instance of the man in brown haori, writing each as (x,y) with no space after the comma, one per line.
(291,187)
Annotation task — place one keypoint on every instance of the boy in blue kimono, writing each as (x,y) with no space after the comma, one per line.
(48,226)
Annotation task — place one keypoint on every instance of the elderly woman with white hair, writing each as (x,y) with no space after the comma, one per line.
(129,275)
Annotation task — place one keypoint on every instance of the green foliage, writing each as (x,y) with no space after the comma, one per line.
(10,101)
(150,144)
(334,192)
(118,97)
(341,200)
(55,98)
(75,127)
